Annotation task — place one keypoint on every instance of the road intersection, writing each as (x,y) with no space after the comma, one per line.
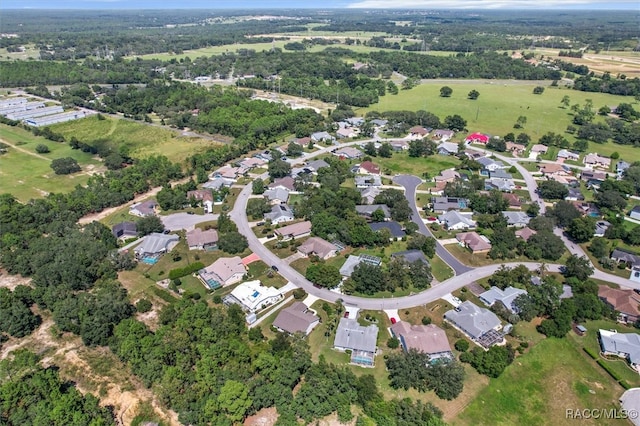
(464,274)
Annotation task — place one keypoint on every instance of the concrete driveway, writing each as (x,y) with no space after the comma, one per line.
(178,221)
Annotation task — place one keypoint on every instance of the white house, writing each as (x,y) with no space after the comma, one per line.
(253,296)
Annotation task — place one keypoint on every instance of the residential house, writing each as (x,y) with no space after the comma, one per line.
(601,228)
(394,228)
(507,297)
(574,195)
(454,220)
(125,230)
(279,213)
(223,272)
(635,274)
(444,204)
(448,175)
(227,172)
(204,197)
(504,185)
(473,241)
(352,261)
(491,165)
(597,160)
(515,148)
(478,138)
(367,210)
(379,122)
(303,142)
(539,149)
(621,167)
(316,165)
(251,163)
(156,244)
(623,345)
(277,195)
(418,132)
(499,174)
(252,296)
(318,247)
(442,135)
(346,133)
(635,213)
(360,340)
(517,219)
(368,168)
(322,137)
(197,239)
(218,183)
(593,177)
(368,193)
(410,256)
(513,200)
(448,148)
(620,255)
(294,231)
(355,121)
(564,154)
(625,302)
(548,169)
(144,209)
(365,181)
(286,183)
(297,318)
(348,152)
(525,233)
(480,324)
(473,154)
(399,145)
(429,339)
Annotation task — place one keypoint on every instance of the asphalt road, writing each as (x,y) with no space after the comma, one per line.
(464,274)
(410,184)
(182,220)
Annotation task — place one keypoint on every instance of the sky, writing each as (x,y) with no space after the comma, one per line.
(324,4)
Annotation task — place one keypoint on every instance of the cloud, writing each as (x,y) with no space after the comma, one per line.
(492,4)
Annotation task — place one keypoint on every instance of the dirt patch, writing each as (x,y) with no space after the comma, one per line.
(264,417)
(12,281)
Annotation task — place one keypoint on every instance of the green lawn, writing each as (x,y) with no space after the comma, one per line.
(538,388)
(29,176)
(440,270)
(499,106)
(142,140)
(401,163)
(481,259)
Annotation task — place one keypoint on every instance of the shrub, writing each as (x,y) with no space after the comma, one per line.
(217,299)
(461,345)
(393,343)
(426,320)
(183,272)
(42,149)
(143,306)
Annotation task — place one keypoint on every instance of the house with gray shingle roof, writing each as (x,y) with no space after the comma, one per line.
(473,320)
(623,345)
(360,340)
(297,318)
(506,296)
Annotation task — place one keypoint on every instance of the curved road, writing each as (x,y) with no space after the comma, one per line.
(239,216)
(410,184)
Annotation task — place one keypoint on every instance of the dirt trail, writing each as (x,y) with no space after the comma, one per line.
(106,212)
(18,148)
(126,394)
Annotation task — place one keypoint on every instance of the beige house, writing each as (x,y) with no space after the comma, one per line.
(318,247)
(223,272)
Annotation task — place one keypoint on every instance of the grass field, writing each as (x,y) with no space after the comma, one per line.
(538,388)
(500,104)
(401,163)
(27,175)
(141,139)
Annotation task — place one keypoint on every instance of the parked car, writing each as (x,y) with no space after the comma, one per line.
(274,267)
(393,320)
(260,224)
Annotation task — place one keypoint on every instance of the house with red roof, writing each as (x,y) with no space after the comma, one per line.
(369,168)
(477,138)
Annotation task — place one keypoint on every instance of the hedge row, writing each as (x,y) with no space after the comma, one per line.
(183,272)
(606,367)
(591,353)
